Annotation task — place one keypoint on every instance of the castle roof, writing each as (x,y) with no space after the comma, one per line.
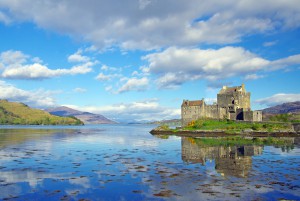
(192,103)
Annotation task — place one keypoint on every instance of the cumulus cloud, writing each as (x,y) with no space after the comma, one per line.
(107,77)
(175,66)
(102,77)
(277,99)
(77,57)
(35,98)
(144,24)
(14,65)
(13,57)
(144,110)
(134,84)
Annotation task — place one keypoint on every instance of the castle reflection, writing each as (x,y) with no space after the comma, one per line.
(229,161)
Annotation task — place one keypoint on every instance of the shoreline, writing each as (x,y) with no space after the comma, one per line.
(205,133)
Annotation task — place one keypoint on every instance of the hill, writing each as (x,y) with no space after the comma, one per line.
(19,113)
(86,117)
(292,107)
(284,112)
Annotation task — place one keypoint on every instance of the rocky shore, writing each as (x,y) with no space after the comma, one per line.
(205,133)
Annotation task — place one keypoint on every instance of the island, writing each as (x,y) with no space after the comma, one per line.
(231,115)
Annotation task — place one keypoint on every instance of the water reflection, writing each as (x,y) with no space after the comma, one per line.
(17,136)
(127,163)
(229,161)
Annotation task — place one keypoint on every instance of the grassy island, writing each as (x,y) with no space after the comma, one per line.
(230,126)
(227,127)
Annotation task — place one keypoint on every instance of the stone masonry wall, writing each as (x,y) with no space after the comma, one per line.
(253,115)
(189,113)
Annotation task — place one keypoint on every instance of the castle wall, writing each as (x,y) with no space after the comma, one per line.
(190,113)
(257,115)
(214,112)
(239,99)
(253,115)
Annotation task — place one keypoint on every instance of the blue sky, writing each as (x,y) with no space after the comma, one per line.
(138,59)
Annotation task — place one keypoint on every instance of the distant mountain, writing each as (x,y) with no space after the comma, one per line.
(12,113)
(86,117)
(292,107)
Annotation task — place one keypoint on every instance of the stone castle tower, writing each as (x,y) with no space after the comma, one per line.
(232,103)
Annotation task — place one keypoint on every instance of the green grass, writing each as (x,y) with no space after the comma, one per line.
(235,126)
(20,114)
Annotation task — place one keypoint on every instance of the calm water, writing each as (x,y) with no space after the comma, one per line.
(125,162)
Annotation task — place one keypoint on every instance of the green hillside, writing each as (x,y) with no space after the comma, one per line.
(21,114)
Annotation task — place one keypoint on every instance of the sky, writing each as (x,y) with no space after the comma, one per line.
(136,60)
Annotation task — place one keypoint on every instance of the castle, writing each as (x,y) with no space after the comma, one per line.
(232,103)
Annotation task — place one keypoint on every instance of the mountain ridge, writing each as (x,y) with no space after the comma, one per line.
(86,117)
(288,107)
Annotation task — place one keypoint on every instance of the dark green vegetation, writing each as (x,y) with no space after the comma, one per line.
(12,113)
(230,126)
(291,117)
(236,126)
(239,141)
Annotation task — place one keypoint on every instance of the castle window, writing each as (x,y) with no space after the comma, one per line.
(232,101)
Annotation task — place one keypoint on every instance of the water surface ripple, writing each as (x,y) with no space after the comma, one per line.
(125,162)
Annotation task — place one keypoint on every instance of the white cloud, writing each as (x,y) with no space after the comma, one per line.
(108,88)
(37,60)
(104,67)
(270,43)
(108,68)
(288,61)
(134,84)
(79,90)
(253,76)
(144,24)
(175,66)
(277,99)
(102,77)
(13,57)
(35,98)
(77,57)
(145,110)
(4,18)
(92,48)
(15,66)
